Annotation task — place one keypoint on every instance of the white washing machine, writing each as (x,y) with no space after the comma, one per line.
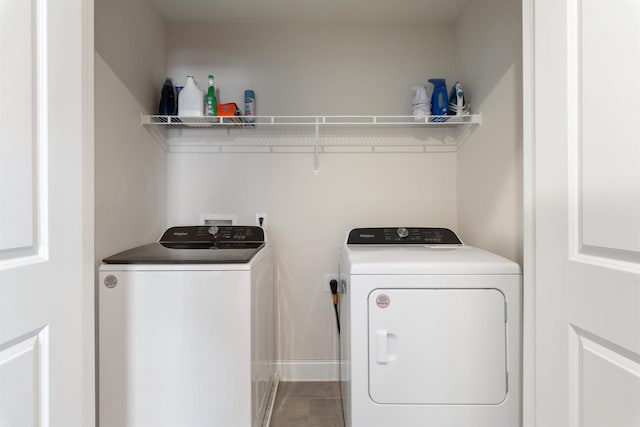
(186,330)
(430,331)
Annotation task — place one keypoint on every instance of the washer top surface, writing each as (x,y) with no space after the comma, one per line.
(430,251)
(197,245)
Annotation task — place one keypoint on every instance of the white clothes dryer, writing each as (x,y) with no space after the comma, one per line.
(186,330)
(430,331)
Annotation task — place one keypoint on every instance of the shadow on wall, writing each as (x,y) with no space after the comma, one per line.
(488,44)
(489,57)
(131,38)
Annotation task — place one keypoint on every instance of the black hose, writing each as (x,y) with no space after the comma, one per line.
(335,308)
(334,291)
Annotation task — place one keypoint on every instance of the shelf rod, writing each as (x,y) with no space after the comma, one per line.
(316,143)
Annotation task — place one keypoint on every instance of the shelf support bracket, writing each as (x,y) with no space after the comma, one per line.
(316,148)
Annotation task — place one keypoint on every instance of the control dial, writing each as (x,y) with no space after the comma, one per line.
(402,232)
(213,230)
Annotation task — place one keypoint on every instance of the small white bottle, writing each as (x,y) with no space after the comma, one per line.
(420,106)
(191,99)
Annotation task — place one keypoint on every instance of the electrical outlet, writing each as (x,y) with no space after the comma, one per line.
(327,278)
(261,220)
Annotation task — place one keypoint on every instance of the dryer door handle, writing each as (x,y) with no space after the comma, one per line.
(383,348)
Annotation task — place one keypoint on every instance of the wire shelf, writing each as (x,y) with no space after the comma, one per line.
(213,133)
(182,122)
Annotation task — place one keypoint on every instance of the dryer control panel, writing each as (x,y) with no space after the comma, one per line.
(402,236)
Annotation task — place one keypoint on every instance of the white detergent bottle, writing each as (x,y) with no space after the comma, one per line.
(420,105)
(191,99)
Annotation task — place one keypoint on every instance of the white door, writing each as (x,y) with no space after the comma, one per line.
(46,229)
(586,195)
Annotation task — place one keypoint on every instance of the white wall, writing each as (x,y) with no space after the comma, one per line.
(307,220)
(313,70)
(309,70)
(130,166)
(131,37)
(298,70)
(489,52)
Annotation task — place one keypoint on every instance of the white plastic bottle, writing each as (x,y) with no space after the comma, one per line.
(191,99)
(420,106)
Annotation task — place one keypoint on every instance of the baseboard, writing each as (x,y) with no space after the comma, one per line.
(271,400)
(308,370)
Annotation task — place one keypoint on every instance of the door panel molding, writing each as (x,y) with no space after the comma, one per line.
(23,239)
(25,359)
(595,398)
(592,188)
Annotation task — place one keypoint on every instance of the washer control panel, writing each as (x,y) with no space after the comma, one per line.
(217,233)
(402,236)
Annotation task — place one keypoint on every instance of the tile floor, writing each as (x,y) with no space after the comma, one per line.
(307,404)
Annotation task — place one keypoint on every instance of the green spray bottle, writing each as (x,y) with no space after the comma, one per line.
(212,102)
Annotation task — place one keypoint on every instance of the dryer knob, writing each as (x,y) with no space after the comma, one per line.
(213,230)
(402,232)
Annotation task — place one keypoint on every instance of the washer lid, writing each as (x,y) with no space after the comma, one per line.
(163,253)
(425,259)
(197,245)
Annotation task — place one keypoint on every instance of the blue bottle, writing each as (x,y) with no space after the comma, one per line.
(168,99)
(178,89)
(249,106)
(439,97)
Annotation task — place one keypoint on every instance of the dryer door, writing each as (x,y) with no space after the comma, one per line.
(437,346)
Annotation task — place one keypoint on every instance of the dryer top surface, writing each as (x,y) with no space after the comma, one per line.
(425,259)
